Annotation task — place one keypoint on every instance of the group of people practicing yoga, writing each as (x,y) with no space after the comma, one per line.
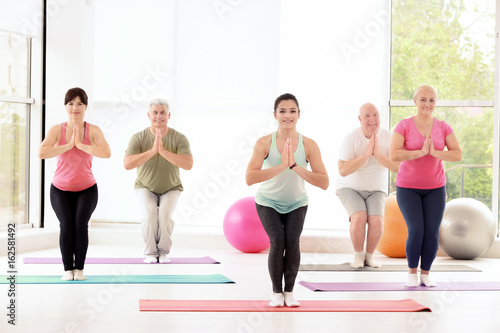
(282,162)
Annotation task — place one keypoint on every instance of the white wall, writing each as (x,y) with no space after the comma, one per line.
(334,57)
(221,64)
(69,63)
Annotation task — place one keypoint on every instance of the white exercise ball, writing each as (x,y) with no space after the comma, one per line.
(467,230)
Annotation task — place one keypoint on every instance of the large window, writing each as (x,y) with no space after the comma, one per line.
(334,58)
(222,98)
(14,112)
(450,45)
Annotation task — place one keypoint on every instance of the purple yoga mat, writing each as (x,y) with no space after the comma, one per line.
(398,286)
(200,260)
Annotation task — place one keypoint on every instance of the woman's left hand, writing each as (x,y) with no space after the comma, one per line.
(76,135)
(432,151)
(427,145)
(291,158)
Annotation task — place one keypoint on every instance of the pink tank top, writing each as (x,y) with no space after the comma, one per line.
(74,167)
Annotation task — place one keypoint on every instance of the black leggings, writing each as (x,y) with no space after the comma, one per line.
(73,209)
(284,233)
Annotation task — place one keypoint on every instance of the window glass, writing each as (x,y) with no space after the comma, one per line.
(14,83)
(451,46)
(13,176)
(14,57)
(448,44)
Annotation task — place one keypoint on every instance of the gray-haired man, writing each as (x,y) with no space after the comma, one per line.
(158,152)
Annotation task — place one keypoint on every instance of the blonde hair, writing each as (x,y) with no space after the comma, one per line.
(422,87)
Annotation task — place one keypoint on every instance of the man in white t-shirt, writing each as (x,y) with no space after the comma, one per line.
(362,182)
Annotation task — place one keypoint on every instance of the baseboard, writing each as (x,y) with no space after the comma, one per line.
(187,237)
(27,240)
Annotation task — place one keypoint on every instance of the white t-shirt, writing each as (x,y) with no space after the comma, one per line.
(372,176)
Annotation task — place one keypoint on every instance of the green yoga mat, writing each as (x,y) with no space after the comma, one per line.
(121,279)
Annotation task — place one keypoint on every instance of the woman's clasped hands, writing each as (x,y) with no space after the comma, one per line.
(287,157)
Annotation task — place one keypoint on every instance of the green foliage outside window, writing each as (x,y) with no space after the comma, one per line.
(14,79)
(436,42)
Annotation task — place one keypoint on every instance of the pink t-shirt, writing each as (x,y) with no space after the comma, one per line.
(74,167)
(426,172)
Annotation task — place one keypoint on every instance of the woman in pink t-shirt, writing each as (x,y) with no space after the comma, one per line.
(73,192)
(419,143)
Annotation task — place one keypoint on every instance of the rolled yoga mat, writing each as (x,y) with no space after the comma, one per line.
(405,305)
(399,286)
(200,260)
(385,268)
(118,279)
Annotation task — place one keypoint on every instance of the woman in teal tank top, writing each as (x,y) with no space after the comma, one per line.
(282,200)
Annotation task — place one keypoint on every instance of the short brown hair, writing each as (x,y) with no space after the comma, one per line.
(76,92)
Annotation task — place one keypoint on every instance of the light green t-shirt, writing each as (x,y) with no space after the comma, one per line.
(286,191)
(158,175)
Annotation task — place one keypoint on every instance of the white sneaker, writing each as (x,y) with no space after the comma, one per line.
(412,280)
(290,301)
(163,259)
(78,275)
(359,261)
(150,259)
(277,300)
(426,281)
(67,276)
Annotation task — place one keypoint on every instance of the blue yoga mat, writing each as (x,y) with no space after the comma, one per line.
(121,279)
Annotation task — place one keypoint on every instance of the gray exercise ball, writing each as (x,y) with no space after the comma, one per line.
(467,230)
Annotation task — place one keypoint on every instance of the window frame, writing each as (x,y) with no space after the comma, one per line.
(465,103)
(28,102)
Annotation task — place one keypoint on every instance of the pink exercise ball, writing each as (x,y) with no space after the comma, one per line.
(243,229)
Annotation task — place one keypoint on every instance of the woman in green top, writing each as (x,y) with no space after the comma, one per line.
(282,200)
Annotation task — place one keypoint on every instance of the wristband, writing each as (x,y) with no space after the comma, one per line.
(293,165)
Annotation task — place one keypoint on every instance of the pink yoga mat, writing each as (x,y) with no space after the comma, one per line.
(200,260)
(405,305)
(398,286)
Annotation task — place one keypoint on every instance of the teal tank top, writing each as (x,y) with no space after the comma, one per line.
(286,191)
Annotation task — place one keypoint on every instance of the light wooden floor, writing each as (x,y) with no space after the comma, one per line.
(115,308)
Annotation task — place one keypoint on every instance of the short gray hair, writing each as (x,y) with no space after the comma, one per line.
(159,101)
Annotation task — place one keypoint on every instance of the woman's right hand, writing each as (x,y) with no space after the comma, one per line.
(427,144)
(72,141)
(291,157)
(285,161)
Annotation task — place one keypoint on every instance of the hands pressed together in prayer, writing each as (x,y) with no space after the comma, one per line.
(287,158)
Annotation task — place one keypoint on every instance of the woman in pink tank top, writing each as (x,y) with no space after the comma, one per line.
(73,192)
